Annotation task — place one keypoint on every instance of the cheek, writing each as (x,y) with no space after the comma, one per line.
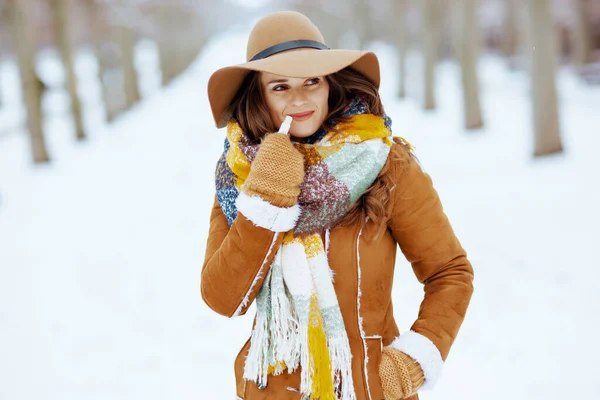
(325,105)
(276,107)
(322,102)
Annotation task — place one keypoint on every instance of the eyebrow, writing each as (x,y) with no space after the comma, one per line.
(277,81)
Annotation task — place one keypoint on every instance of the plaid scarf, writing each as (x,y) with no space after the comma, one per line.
(298,321)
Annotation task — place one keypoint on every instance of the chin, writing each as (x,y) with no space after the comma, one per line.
(301,135)
(303,132)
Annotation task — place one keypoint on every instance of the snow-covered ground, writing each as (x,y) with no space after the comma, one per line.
(100,251)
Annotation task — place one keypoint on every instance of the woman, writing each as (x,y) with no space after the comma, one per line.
(307,224)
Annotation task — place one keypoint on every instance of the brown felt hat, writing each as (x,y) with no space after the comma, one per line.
(285,43)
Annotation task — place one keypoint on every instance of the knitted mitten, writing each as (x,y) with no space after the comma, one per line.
(401,376)
(276,172)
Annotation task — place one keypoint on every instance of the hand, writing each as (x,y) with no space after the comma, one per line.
(276,172)
(401,376)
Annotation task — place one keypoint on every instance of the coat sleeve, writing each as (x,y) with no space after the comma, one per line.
(423,232)
(238,258)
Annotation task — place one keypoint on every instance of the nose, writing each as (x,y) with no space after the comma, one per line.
(298,98)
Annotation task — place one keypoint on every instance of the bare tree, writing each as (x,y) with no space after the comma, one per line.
(2,23)
(429,30)
(543,81)
(582,33)
(130,76)
(24,46)
(180,37)
(62,23)
(468,43)
(98,28)
(167,36)
(400,11)
(1,95)
(510,25)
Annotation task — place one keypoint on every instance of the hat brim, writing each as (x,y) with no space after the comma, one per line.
(300,63)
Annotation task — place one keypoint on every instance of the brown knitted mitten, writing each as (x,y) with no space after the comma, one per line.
(401,376)
(276,172)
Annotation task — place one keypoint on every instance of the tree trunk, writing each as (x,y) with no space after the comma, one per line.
(468,51)
(62,23)
(167,34)
(130,76)
(429,26)
(510,29)
(98,27)
(176,49)
(543,81)
(400,10)
(166,61)
(1,66)
(194,45)
(24,46)
(582,34)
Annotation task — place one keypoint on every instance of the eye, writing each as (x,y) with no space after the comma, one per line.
(279,88)
(313,81)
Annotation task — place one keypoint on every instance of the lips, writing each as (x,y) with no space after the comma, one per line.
(302,116)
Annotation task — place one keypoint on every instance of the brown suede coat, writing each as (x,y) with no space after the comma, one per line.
(363,271)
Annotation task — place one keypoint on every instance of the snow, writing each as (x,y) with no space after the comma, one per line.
(101,250)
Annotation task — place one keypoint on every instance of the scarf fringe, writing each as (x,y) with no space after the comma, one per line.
(305,382)
(286,347)
(256,367)
(320,365)
(303,335)
(341,366)
(257,362)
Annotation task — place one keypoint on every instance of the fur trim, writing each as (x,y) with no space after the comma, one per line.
(360,320)
(258,276)
(422,350)
(266,215)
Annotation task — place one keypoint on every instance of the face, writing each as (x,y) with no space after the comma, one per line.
(305,99)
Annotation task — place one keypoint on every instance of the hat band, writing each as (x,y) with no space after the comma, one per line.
(292,44)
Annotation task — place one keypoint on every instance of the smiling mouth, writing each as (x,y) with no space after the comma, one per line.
(302,116)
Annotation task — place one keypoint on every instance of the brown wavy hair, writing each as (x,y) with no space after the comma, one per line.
(250,110)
